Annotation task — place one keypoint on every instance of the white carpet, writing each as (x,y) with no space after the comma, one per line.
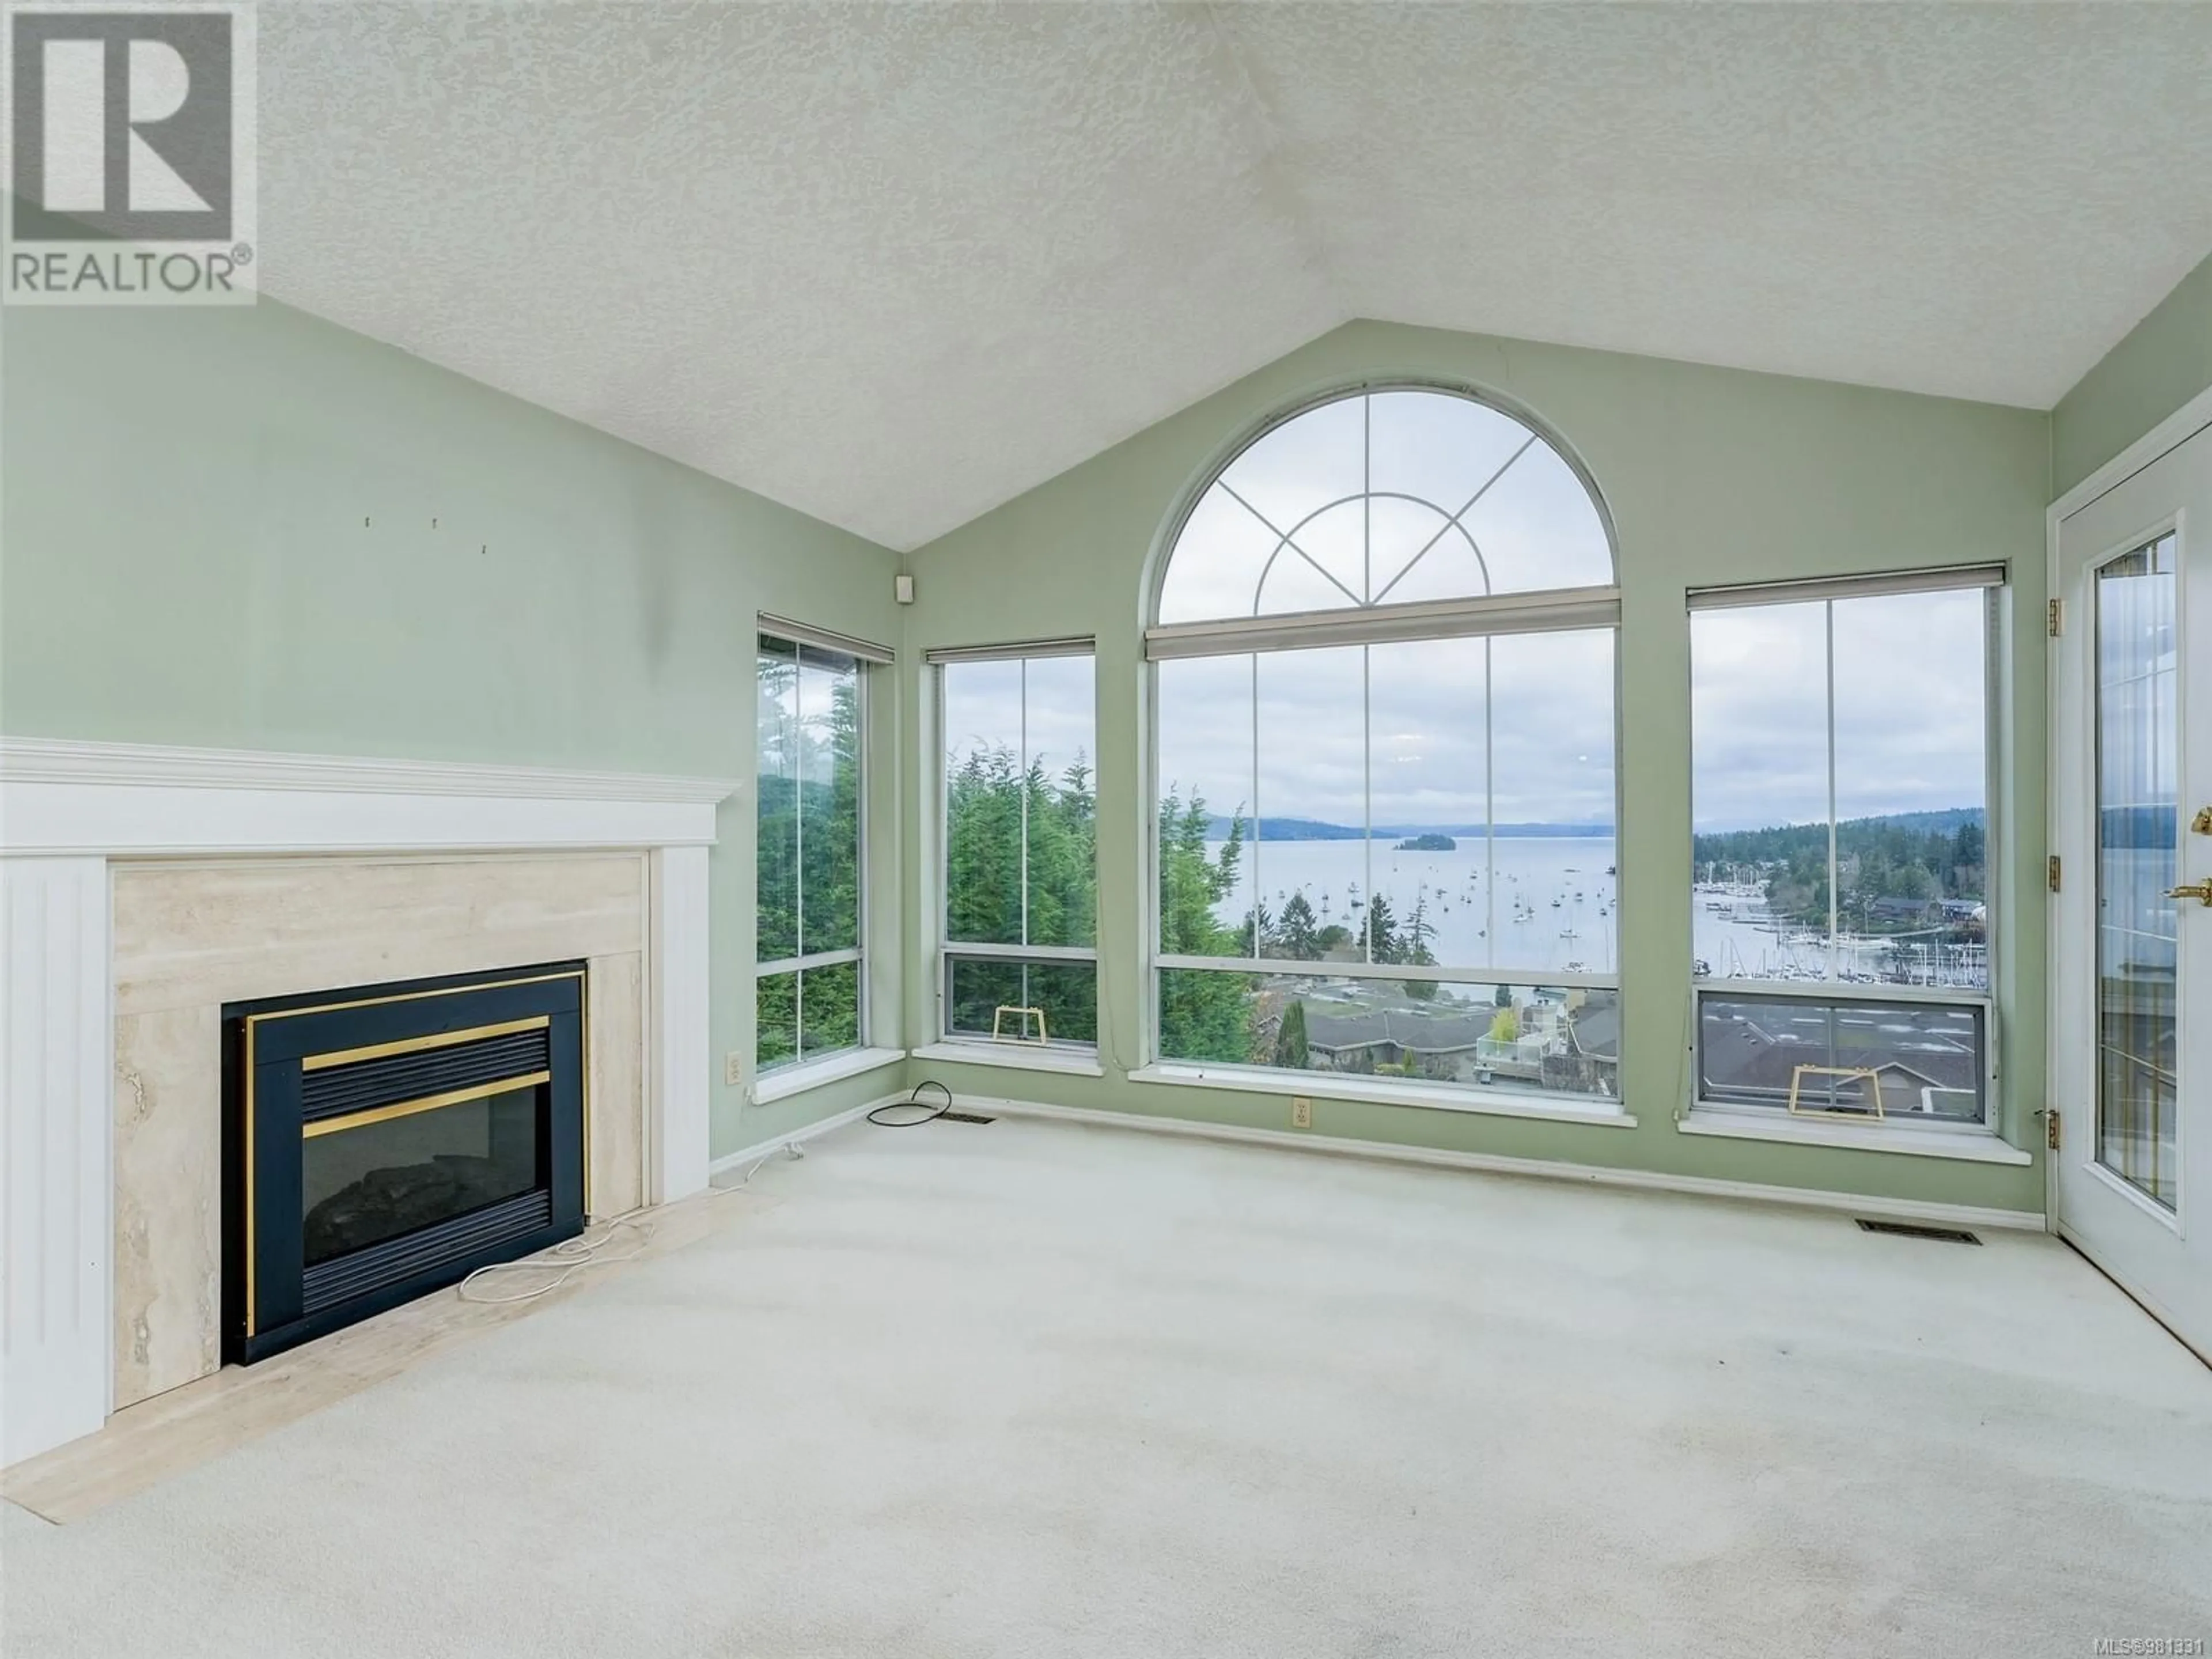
(1029,1390)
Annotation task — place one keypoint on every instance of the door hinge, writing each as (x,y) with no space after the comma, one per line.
(2052,872)
(2057,617)
(2051,1128)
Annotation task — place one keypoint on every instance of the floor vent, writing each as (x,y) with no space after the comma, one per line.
(1908,1230)
(964,1117)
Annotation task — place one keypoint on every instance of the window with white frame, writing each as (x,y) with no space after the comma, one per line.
(809,984)
(1383,756)
(1019,844)
(1843,849)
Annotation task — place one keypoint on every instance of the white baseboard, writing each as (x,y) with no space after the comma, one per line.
(770,1147)
(1896,1209)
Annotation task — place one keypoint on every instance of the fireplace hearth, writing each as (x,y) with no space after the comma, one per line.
(385,1140)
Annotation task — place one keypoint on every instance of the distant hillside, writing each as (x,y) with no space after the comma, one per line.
(1945,821)
(1316,829)
(1780,840)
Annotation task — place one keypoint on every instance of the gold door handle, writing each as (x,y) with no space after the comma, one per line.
(2202,891)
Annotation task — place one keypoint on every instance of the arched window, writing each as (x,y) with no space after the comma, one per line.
(1385,498)
(1384,702)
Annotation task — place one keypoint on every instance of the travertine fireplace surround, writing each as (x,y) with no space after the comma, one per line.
(142,888)
(192,937)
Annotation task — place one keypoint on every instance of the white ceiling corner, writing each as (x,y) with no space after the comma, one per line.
(893,265)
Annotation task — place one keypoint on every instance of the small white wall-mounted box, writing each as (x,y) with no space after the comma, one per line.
(902,588)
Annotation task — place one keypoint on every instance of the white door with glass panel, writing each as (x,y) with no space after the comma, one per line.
(2131,933)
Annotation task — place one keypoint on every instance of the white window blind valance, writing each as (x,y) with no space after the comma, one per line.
(1814,588)
(1074,645)
(825,639)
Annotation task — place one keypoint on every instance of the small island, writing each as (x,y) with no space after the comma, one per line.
(1428,842)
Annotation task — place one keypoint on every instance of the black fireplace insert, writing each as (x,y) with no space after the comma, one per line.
(383,1141)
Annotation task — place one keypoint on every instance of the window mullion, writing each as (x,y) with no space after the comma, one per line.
(1366,697)
(1835,873)
(1256,806)
(1367,501)
(1022,726)
(1367,793)
(1489,810)
(799,799)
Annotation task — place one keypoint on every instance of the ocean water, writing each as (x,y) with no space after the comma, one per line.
(1523,901)
(1529,903)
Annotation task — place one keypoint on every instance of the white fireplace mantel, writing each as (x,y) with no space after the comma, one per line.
(67,809)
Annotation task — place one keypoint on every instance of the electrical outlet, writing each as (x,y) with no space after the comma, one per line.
(1301,1113)
(733,1069)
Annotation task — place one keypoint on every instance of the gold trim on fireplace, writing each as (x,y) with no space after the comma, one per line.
(362,1120)
(252,1196)
(252,1293)
(416,1045)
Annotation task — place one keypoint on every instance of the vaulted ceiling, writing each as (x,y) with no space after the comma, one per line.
(895,265)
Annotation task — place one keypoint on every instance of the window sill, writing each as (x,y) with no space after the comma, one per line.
(788,1080)
(1342,1086)
(1965,1145)
(1068,1062)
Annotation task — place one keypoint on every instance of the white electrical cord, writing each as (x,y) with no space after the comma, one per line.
(571,1256)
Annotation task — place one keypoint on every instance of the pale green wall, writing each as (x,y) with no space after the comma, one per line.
(2164,361)
(1713,476)
(183,560)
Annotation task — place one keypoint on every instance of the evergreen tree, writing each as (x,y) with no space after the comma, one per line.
(1204,1014)
(983,849)
(1414,949)
(1966,843)
(1296,931)
(1257,937)
(1383,941)
(1914,856)
(1290,1040)
(776,1012)
(1008,828)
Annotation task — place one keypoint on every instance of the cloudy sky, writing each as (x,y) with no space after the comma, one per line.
(1416,739)
(986,707)
(1910,711)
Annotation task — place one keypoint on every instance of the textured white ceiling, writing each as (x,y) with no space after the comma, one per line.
(894,265)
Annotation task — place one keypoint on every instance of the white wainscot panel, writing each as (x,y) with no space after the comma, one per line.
(56,1175)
